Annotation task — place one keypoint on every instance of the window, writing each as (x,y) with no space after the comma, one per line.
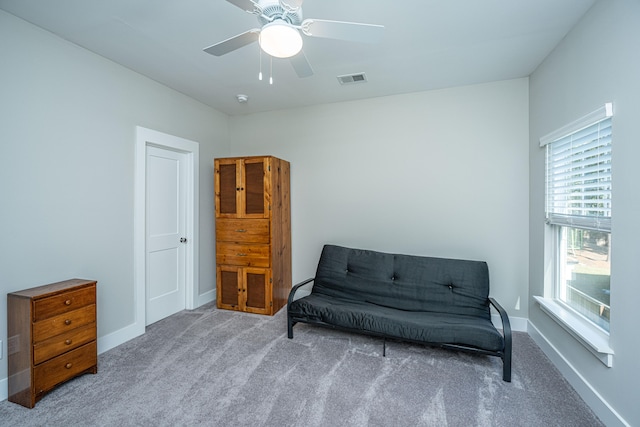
(578,215)
(584,272)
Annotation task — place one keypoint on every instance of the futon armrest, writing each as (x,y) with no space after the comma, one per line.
(506,325)
(300,290)
(506,332)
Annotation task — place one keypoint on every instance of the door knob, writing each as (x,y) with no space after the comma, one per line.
(183,240)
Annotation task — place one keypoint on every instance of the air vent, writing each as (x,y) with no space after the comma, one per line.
(352,78)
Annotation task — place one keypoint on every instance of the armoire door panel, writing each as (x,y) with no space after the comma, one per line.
(254,188)
(227,189)
(228,286)
(256,290)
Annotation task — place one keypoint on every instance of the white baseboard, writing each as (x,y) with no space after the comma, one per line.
(4,389)
(121,336)
(205,298)
(593,399)
(518,324)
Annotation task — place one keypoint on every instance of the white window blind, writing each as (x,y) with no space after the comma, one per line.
(578,176)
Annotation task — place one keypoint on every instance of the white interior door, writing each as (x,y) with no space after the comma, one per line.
(165,233)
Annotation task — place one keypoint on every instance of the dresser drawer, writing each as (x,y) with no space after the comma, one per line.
(63,323)
(64,367)
(243,255)
(58,304)
(242,230)
(62,343)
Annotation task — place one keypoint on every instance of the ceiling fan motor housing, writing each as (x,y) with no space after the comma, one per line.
(272,9)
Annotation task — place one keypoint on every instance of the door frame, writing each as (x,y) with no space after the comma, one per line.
(145,138)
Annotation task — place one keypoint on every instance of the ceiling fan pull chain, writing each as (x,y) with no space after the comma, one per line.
(260,59)
(270,70)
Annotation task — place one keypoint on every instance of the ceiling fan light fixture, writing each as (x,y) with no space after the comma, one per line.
(280,39)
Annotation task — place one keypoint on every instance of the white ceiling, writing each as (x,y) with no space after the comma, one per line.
(428,44)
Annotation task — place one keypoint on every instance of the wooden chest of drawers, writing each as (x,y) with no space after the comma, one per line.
(52,337)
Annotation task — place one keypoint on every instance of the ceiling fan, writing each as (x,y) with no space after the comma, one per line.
(282,24)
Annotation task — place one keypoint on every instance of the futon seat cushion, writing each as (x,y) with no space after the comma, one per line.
(421,326)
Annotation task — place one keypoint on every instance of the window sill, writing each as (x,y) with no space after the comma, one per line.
(596,341)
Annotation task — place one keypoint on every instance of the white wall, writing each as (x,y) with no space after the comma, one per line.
(597,62)
(441,173)
(67,137)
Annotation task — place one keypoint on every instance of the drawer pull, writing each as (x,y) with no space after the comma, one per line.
(67,342)
(67,302)
(241,254)
(67,322)
(241,230)
(68,365)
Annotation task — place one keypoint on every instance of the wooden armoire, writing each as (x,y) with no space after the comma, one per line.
(253,233)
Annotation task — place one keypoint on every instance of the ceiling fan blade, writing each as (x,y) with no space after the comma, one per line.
(352,31)
(235,42)
(246,5)
(293,4)
(301,65)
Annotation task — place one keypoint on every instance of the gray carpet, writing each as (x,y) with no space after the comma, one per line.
(219,368)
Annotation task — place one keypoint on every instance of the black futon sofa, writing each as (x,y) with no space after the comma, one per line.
(434,301)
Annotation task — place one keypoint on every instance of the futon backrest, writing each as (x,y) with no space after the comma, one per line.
(405,282)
